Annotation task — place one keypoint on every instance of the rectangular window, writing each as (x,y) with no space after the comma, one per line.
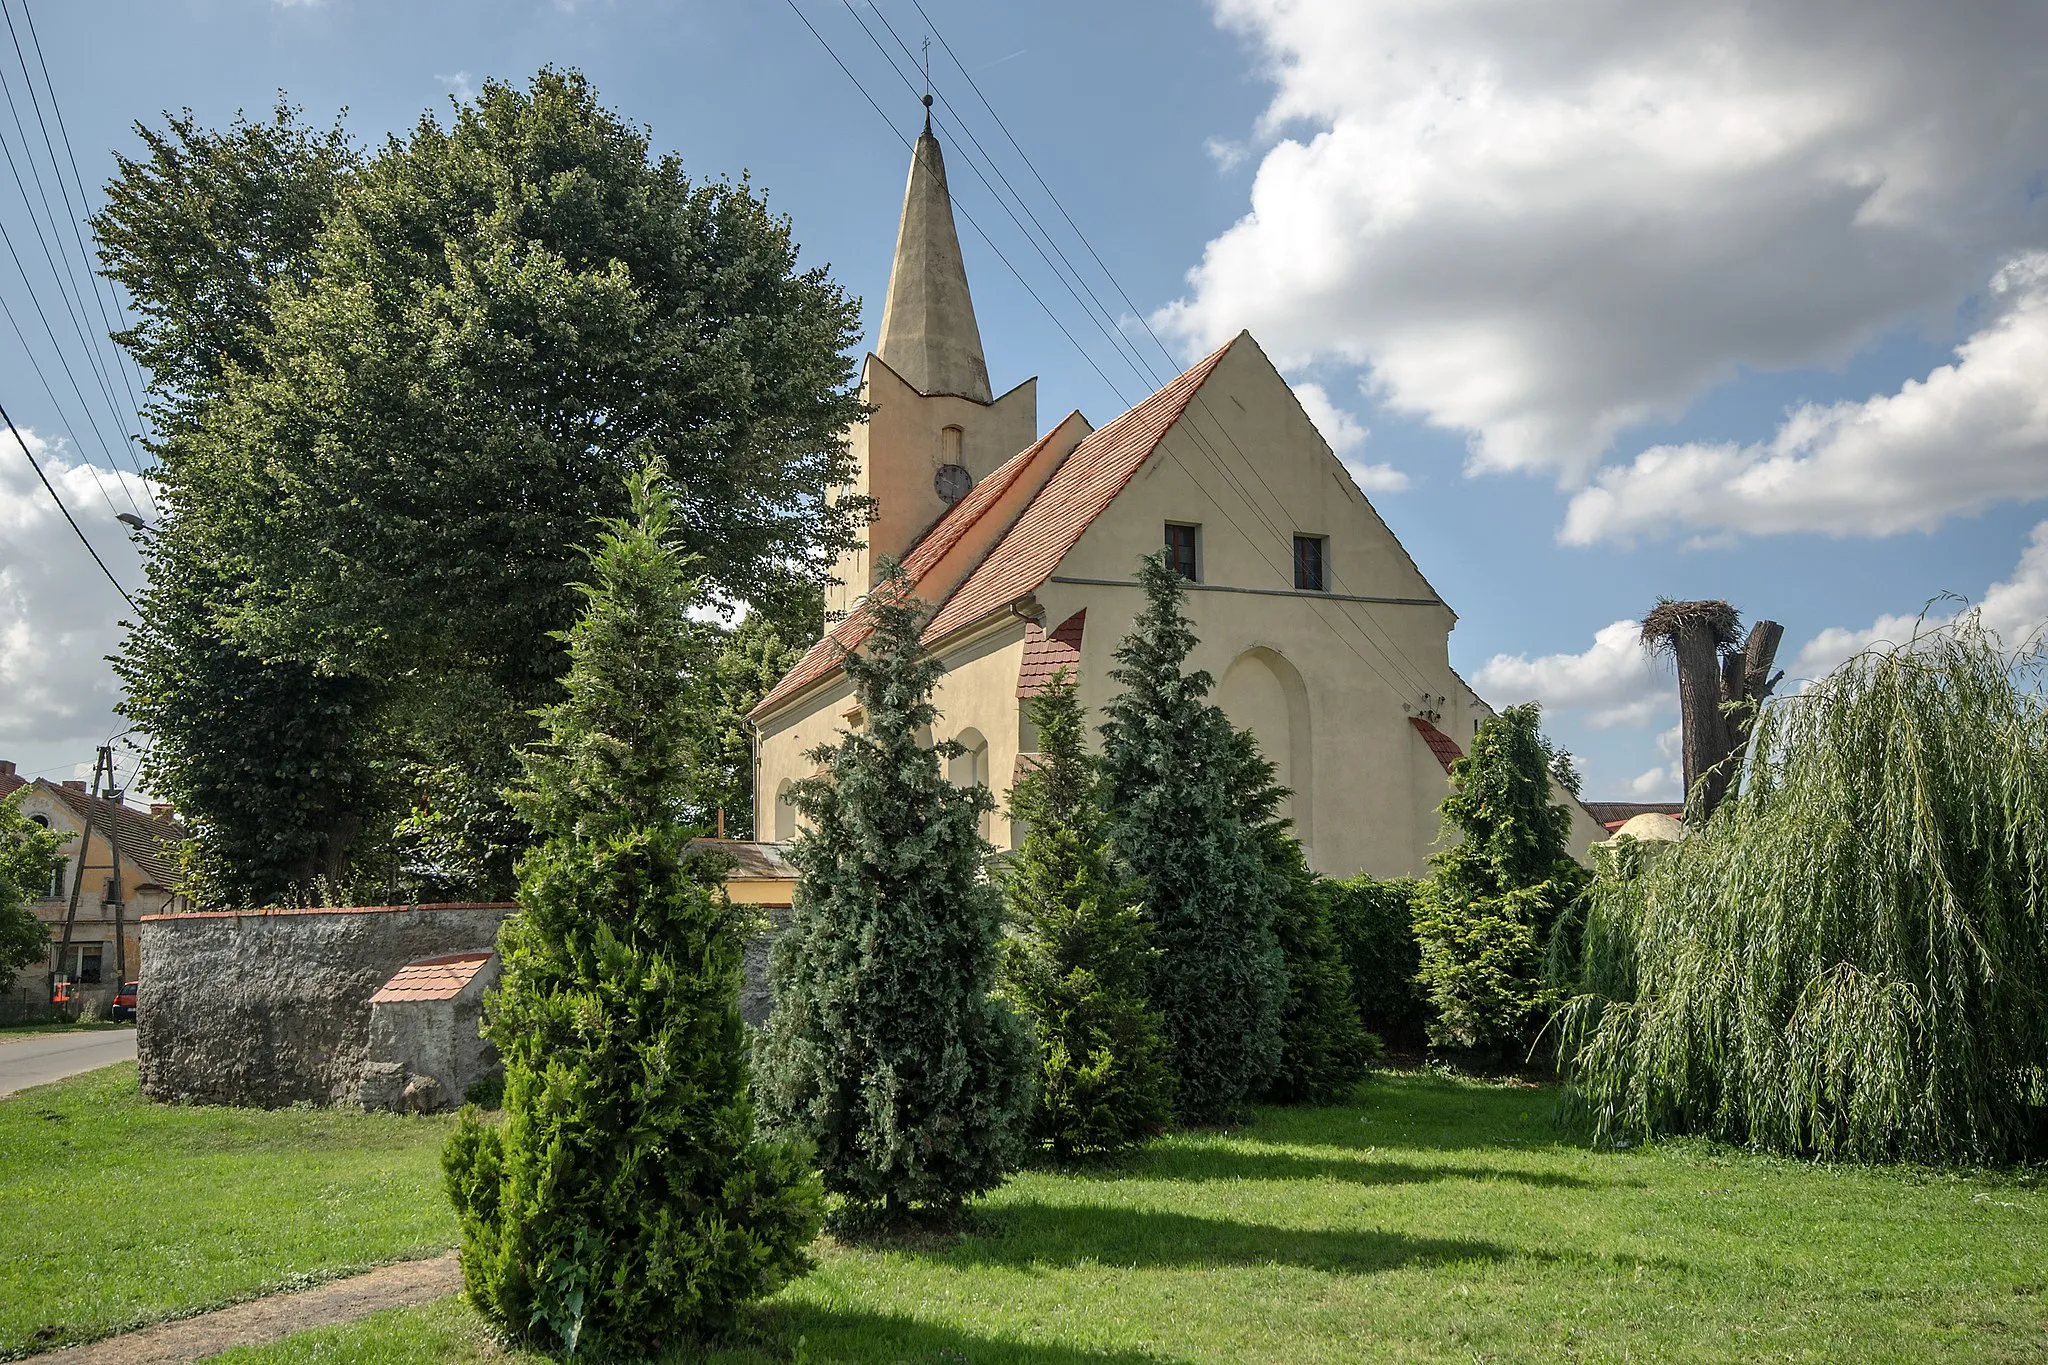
(57,882)
(86,960)
(1180,551)
(1310,571)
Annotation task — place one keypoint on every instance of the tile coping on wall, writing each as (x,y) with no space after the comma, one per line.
(335,910)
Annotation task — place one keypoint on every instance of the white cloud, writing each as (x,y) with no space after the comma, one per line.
(458,85)
(59,617)
(1543,223)
(2015,609)
(1227,155)
(1971,434)
(1346,434)
(1614,680)
(1666,781)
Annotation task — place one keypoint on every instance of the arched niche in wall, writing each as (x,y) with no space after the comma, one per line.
(970,765)
(785,814)
(1262,692)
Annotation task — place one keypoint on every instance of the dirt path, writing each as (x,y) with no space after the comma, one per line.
(261,1321)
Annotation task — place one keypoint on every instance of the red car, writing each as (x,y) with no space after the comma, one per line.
(124,1001)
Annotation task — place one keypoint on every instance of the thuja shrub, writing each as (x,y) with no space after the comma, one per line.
(1374,921)
(625,1204)
(1849,960)
(886,1049)
(1179,828)
(1483,920)
(1324,1048)
(1077,961)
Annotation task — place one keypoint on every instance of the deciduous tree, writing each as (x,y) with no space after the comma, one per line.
(398,391)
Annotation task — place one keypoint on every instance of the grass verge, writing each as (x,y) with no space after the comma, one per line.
(121,1212)
(1435,1220)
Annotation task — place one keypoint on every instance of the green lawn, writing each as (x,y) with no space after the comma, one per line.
(119,1212)
(8,1031)
(1436,1220)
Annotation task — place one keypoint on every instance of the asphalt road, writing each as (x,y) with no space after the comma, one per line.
(42,1058)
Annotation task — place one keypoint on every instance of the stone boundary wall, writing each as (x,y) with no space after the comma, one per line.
(267,1008)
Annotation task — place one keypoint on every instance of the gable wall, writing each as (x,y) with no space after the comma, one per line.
(1371,787)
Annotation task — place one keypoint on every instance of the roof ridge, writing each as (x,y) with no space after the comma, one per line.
(1090,478)
(926,555)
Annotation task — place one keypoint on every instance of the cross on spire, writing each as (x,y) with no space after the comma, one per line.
(927,86)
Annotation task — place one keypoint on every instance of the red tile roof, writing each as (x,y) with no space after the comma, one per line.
(1070,502)
(1442,745)
(432,978)
(1020,562)
(1045,655)
(824,656)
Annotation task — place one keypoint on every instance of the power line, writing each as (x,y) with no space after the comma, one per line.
(62,418)
(1026,159)
(92,277)
(52,490)
(1393,657)
(66,287)
(1091,306)
(971,222)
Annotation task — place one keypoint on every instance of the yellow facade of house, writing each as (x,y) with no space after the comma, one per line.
(124,874)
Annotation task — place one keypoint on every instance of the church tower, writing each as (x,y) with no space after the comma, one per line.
(935,430)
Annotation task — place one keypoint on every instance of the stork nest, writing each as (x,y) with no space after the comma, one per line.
(1662,626)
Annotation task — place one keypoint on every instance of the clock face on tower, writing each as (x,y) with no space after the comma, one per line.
(952,482)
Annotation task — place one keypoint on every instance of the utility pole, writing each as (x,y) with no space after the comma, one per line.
(104,763)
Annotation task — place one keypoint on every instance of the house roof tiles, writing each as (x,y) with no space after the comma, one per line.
(1046,654)
(1442,745)
(1020,561)
(823,658)
(432,978)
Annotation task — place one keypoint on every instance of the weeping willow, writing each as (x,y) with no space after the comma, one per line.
(1851,959)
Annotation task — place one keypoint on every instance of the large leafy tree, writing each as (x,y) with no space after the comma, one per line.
(1180,830)
(1079,956)
(28,864)
(432,394)
(625,1202)
(887,1048)
(1483,920)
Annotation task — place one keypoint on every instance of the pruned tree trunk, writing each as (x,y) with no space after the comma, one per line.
(1720,689)
(1704,728)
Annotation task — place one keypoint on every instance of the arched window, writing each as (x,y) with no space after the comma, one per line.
(785,814)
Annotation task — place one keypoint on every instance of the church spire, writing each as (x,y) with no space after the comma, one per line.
(929,334)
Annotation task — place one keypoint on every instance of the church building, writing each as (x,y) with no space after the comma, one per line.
(1324,637)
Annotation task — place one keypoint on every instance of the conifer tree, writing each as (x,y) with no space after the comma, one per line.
(1324,1048)
(887,1048)
(625,1202)
(1078,963)
(1482,921)
(1178,827)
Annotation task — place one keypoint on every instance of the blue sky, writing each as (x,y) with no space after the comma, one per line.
(1602,302)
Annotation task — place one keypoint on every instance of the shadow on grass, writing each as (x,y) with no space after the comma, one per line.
(1032,1234)
(814,1335)
(1198,1163)
(1432,1112)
